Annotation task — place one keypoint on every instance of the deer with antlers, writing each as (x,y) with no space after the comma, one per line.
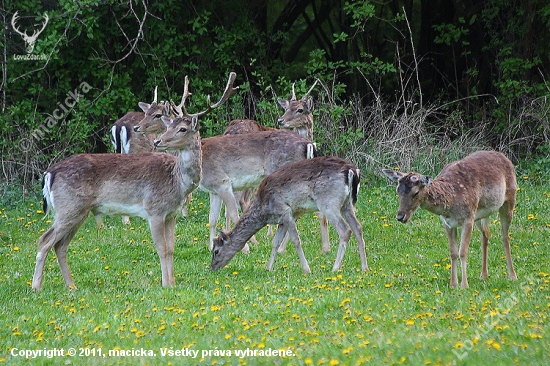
(153,186)
(233,163)
(30,41)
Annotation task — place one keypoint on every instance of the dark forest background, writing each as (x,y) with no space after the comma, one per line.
(409,84)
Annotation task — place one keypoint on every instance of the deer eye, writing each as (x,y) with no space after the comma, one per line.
(300,110)
(158,115)
(216,251)
(182,129)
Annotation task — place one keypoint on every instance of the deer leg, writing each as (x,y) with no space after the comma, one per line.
(357,229)
(231,209)
(344,233)
(61,252)
(214,215)
(295,237)
(59,235)
(483,226)
(125,220)
(506,213)
(453,249)
(325,240)
(465,237)
(282,247)
(279,235)
(169,233)
(45,244)
(165,252)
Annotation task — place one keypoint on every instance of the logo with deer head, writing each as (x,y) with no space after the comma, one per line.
(30,41)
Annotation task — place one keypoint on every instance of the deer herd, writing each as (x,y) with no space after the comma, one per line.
(273,176)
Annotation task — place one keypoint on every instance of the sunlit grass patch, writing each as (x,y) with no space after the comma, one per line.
(400,312)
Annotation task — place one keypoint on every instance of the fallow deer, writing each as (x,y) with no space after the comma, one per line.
(466,192)
(298,114)
(326,184)
(153,186)
(126,141)
(298,117)
(236,162)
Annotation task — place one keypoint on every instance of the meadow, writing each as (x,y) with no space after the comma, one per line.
(401,311)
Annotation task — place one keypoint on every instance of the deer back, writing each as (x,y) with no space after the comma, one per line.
(247,158)
(240,126)
(307,185)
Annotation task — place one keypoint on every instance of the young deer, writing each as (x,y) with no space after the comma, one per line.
(298,114)
(153,186)
(326,184)
(233,163)
(466,192)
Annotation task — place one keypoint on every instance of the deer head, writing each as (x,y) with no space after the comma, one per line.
(30,41)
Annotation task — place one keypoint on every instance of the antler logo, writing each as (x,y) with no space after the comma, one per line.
(30,41)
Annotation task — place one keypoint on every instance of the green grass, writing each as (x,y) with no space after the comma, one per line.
(400,312)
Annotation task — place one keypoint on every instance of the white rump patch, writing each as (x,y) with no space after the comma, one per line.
(47,193)
(124,141)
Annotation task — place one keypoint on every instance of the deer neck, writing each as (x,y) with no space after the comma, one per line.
(189,165)
(307,129)
(249,224)
(438,197)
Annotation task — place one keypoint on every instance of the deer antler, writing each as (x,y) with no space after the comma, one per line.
(15,28)
(47,18)
(309,91)
(293,93)
(178,108)
(228,92)
(155,95)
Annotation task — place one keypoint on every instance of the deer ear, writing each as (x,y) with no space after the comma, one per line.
(283,102)
(167,120)
(393,175)
(166,109)
(194,123)
(224,238)
(144,106)
(309,105)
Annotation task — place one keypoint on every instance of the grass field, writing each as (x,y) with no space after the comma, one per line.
(400,312)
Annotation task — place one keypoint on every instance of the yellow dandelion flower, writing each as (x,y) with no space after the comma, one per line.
(308,361)
(334,362)
(15,249)
(496,346)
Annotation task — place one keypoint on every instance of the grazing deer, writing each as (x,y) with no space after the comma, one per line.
(326,184)
(467,191)
(298,117)
(153,186)
(233,163)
